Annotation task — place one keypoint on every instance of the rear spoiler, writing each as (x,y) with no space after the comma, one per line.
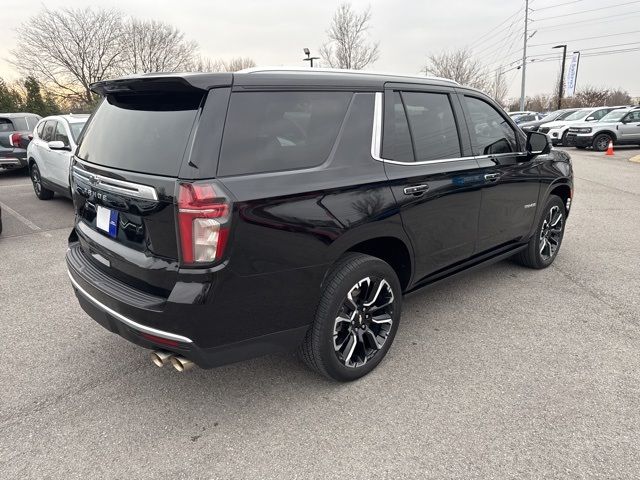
(158,82)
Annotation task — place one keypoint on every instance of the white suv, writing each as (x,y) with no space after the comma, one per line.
(557,131)
(49,153)
(621,126)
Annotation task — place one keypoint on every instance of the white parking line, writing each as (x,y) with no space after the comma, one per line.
(16,185)
(12,212)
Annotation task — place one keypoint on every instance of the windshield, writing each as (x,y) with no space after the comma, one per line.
(613,116)
(577,115)
(76,128)
(551,117)
(564,115)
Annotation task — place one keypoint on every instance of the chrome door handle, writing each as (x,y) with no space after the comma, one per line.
(492,177)
(416,189)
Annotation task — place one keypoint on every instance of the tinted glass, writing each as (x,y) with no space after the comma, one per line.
(6,125)
(61,134)
(145,133)
(490,132)
(633,117)
(613,116)
(432,124)
(20,124)
(579,115)
(49,130)
(396,142)
(564,115)
(271,131)
(41,129)
(76,129)
(600,113)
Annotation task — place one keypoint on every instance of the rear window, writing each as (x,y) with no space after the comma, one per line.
(6,125)
(272,131)
(145,133)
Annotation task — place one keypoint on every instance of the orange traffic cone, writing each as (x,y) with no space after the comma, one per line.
(610,148)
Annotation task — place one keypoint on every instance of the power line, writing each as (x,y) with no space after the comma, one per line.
(555,6)
(587,11)
(562,26)
(585,38)
(500,24)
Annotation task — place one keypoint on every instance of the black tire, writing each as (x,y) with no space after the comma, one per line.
(537,254)
(601,142)
(41,192)
(320,349)
(563,140)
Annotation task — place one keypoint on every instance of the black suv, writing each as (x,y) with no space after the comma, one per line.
(224,216)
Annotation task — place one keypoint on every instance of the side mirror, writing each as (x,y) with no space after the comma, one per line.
(58,145)
(537,144)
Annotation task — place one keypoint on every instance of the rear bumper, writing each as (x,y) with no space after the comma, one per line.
(158,324)
(17,158)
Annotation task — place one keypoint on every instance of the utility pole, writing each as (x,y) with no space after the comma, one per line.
(561,86)
(524,53)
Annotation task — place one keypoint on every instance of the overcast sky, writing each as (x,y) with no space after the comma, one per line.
(274,32)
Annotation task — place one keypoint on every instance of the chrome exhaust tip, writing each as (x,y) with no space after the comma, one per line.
(160,358)
(181,364)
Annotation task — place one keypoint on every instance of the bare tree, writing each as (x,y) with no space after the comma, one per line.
(458,65)
(238,63)
(590,96)
(619,97)
(497,87)
(348,45)
(153,46)
(204,64)
(70,48)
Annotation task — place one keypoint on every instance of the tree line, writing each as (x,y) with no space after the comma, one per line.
(62,52)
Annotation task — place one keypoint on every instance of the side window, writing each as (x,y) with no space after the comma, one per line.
(40,129)
(396,140)
(633,116)
(61,134)
(490,132)
(49,130)
(600,113)
(272,131)
(432,125)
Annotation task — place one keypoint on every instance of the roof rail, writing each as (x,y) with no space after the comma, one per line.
(340,70)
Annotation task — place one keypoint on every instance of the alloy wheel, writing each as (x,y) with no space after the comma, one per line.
(364,321)
(603,143)
(551,233)
(35,178)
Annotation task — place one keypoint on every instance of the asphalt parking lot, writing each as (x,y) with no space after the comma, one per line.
(501,373)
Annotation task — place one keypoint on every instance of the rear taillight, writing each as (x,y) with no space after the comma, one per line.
(203,222)
(14,139)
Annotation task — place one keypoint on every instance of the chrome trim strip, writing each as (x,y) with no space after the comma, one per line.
(118,186)
(128,321)
(376,135)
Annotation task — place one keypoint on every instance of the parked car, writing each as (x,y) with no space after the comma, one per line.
(558,129)
(550,117)
(520,112)
(223,216)
(49,154)
(527,117)
(621,126)
(15,134)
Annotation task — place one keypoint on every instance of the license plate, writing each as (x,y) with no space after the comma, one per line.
(107,221)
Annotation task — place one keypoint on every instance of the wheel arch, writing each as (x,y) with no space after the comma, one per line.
(392,246)
(608,132)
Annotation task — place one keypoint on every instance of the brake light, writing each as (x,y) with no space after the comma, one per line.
(203,222)
(14,139)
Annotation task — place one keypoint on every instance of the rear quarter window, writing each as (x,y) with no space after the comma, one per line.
(275,131)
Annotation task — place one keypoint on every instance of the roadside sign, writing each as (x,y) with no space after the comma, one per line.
(572,74)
